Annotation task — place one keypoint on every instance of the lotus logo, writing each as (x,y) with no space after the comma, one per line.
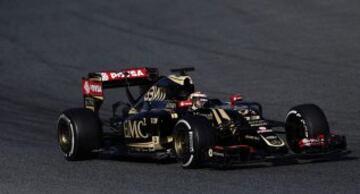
(86,87)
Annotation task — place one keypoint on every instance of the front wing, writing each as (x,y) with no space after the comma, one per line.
(236,155)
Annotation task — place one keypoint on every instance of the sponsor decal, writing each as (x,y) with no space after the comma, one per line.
(93,88)
(133,129)
(184,103)
(86,87)
(89,102)
(257,123)
(104,77)
(154,120)
(309,142)
(263,130)
(155,94)
(252,137)
(130,73)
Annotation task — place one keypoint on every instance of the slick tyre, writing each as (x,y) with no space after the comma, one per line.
(79,132)
(193,136)
(305,121)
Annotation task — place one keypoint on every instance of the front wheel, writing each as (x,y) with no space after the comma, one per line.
(305,121)
(79,132)
(193,136)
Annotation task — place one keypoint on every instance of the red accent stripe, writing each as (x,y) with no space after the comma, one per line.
(219,148)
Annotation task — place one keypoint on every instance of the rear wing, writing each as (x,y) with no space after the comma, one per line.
(95,83)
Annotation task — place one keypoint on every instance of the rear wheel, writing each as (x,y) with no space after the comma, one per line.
(193,136)
(79,132)
(305,121)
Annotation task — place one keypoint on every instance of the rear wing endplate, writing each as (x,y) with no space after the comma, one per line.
(95,83)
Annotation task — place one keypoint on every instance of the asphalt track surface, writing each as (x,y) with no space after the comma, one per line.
(280,53)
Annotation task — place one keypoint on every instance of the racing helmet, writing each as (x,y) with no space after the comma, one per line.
(198,100)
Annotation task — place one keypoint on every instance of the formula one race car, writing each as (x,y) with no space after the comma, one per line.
(169,119)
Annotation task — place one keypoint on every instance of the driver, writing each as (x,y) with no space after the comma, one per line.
(198,100)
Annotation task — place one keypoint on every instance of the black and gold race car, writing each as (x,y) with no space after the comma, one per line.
(170,120)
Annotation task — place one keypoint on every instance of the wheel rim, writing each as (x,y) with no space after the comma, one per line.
(181,144)
(64,136)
